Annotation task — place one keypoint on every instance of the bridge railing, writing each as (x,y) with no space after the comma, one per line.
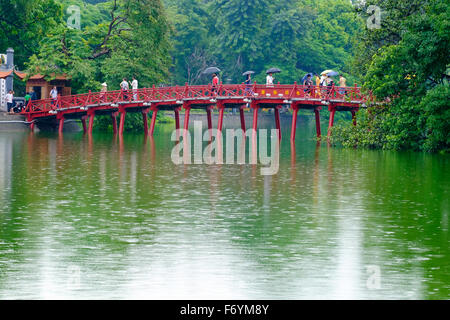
(43,105)
(347,94)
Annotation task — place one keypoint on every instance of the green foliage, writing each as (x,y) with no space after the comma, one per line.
(25,23)
(409,72)
(129,37)
(238,35)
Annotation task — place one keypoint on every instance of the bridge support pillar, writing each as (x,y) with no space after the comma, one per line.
(220,123)
(123,113)
(91,122)
(209,116)
(145,120)
(318,131)
(32,127)
(255,118)
(61,124)
(242,116)
(277,121)
(177,118)
(153,123)
(186,117)
(114,122)
(294,122)
(331,122)
(354,117)
(83,121)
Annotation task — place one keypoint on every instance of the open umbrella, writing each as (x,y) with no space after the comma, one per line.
(246,73)
(306,76)
(211,70)
(273,70)
(331,73)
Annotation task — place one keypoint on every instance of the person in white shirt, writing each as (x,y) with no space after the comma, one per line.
(269,80)
(9,100)
(323,79)
(54,95)
(134,86)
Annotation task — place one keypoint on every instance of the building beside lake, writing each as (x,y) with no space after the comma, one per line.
(41,84)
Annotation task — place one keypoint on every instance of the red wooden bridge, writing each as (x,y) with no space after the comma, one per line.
(119,103)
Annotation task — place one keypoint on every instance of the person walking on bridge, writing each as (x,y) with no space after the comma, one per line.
(342,84)
(9,101)
(317,90)
(103,91)
(269,80)
(124,86)
(134,87)
(54,95)
(215,84)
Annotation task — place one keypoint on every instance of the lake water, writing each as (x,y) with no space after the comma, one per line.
(103,217)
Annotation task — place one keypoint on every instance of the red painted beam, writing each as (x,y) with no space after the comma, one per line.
(220,123)
(294,122)
(91,122)
(114,122)
(186,117)
(318,131)
(331,122)
(61,125)
(255,117)
(145,122)
(123,113)
(277,121)
(208,115)
(153,123)
(242,116)
(177,118)
(83,121)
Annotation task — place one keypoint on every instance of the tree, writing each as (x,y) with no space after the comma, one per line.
(25,23)
(134,41)
(410,74)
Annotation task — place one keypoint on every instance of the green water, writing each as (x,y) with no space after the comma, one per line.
(102,217)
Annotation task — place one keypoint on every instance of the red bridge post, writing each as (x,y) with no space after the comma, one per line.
(114,122)
(317,114)
(152,125)
(61,123)
(177,118)
(83,121)
(91,115)
(277,121)
(209,116)
(221,108)
(331,122)
(255,116)
(294,121)
(145,120)
(123,113)
(241,113)
(187,109)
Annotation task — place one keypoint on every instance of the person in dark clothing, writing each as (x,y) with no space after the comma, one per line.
(33,95)
(308,83)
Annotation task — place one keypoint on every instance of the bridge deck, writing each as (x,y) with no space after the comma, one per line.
(188,97)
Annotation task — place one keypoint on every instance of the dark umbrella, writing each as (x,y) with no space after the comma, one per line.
(246,73)
(306,76)
(273,70)
(211,70)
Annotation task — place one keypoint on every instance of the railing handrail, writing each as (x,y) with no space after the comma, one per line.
(197,91)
